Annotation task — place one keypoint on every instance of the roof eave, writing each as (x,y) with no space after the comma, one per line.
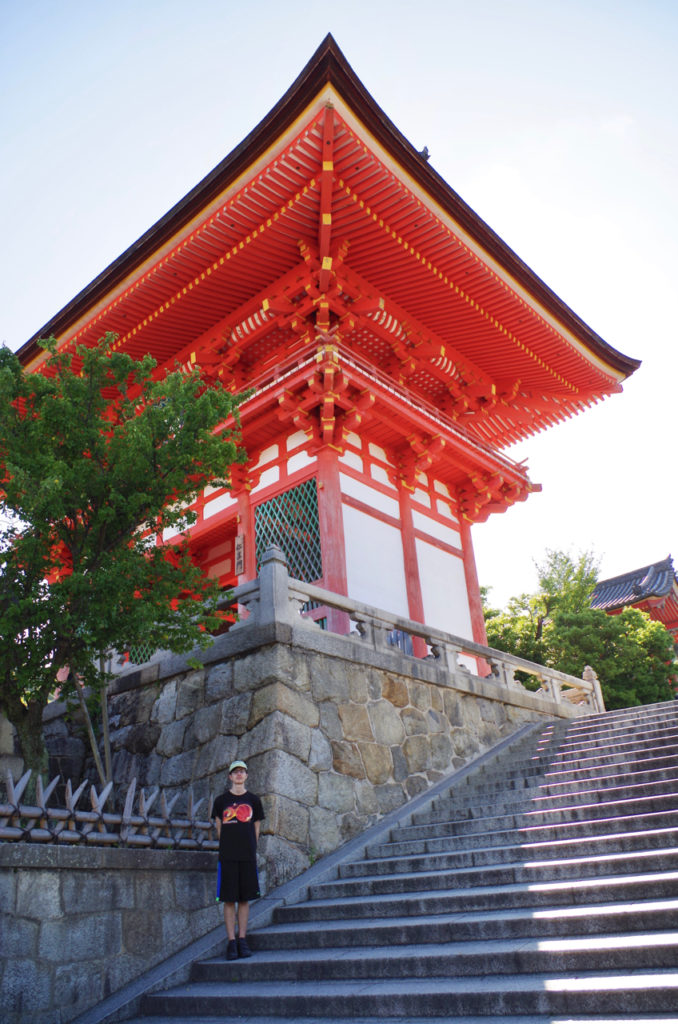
(327,66)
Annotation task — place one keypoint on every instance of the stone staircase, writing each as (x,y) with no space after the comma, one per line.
(543,888)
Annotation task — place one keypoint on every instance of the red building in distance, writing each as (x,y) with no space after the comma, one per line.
(652,589)
(395,344)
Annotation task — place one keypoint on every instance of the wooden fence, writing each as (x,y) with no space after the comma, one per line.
(69,825)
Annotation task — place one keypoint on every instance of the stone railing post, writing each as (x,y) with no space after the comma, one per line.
(589,676)
(274,597)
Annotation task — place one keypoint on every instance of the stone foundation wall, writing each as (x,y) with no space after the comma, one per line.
(77,925)
(334,738)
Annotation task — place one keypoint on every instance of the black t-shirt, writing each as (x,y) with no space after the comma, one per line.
(238,840)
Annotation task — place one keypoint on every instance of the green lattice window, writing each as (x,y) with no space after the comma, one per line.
(141,653)
(290,520)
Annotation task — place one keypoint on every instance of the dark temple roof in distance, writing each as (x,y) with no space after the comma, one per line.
(652,581)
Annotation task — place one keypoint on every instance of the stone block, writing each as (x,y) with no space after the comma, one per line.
(279,862)
(171,739)
(165,706)
(277,732)
(83,937)
(38,895)
(400,769)
(234,714)
(26,985)
(280,697)
(324,831)
(219,682)
(133,707)
(416,752)
(277,663)
(84,890)
(78,985)
(18,937)
(394,690)
(204,726)
(215,757)
(320,754)
(330,723)
(441,752)
(336,792)
(355,722)
(285,775)
(378,762)
(414,721)
(190,693)
(437,699)
(346,759)
(357,686)
(142,930)
(350,825)
(8,890)
(386,724)
(329,680)
(286,819)
(365,798)
(179,769)
(389,796)
(435,722)
(415,785)
(420,695)
(374,687)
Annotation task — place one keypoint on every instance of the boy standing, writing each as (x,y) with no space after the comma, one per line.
(238,815)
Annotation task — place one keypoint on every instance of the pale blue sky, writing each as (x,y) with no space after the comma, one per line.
(555,120)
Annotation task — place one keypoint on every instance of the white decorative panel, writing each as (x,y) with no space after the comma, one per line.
(435,529)
(353,439)
(268,477)
(268,455)
(443,588)
(369,495)
(218,505)
(294,440)
(374,562)
(352,460)
(422,497)
(299,461)
(379,474)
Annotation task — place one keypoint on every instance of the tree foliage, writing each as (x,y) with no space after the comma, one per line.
(100,454)
(632,655)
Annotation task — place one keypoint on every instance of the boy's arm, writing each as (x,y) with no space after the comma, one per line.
(257,825)
(217,822)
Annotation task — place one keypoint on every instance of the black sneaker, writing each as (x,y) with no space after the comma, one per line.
(243,949)
(232,950)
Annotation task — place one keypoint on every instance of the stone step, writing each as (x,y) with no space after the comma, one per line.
(494,780)
(448,852)
(563,812)
(536,788)
(388,896)
(641,950)
(425,839)
(529,763)
(583,730)
(533,872)
(467,916)
(633,1018)
(600,992)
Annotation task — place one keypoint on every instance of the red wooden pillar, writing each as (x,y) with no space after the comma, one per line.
(332,541)
(472,586)
(415,601)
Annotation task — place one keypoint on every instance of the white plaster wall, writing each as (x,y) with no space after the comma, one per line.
(374,562)
(369,495)
(443,587)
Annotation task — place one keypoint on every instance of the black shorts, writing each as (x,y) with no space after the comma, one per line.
(237,881)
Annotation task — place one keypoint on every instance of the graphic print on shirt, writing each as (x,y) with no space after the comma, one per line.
(241,812)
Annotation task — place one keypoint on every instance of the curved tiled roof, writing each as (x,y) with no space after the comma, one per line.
(652,581)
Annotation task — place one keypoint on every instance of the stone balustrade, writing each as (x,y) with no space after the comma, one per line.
(275,596)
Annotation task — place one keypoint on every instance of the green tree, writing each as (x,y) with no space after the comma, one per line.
(632,655)
(100,453)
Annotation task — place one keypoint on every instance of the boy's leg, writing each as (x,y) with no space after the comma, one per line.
(229,920)
(243,918)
